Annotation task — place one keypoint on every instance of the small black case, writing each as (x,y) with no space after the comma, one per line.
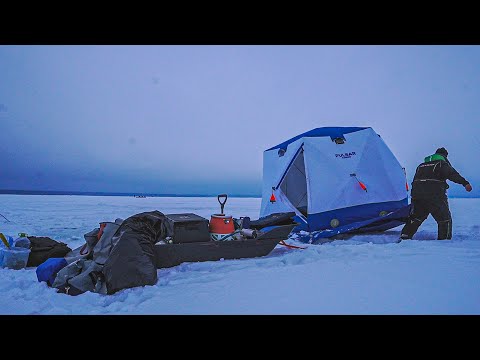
(187,228)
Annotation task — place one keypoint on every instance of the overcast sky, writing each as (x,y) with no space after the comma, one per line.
(196,119)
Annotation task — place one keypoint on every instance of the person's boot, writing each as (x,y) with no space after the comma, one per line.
(445,230)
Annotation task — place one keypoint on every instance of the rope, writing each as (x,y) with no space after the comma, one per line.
(5,218)
(282,242)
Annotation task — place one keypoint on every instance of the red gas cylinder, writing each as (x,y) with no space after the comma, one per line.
(220,226)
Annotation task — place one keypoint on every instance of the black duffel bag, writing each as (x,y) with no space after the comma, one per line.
(43,248)
(284,218)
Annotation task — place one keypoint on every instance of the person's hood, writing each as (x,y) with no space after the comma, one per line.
(435,157)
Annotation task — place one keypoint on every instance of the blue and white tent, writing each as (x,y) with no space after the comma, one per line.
(336,180)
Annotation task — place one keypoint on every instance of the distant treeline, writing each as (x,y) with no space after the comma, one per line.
(95,193)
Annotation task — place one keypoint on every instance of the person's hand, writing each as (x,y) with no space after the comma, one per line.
(468,187)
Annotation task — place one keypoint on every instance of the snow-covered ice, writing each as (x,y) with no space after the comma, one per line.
(364,274)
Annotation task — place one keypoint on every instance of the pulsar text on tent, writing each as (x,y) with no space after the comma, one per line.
(345,155)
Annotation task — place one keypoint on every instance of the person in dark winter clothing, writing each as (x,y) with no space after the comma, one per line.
(429,195)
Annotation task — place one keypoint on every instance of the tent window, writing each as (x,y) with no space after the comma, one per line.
(281,152)
(294,184)
(339,140)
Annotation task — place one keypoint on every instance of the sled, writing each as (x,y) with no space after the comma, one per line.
(168,255)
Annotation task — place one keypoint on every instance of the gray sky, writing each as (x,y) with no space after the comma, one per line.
(196,119)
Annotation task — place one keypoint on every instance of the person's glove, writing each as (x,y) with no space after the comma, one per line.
(468,187)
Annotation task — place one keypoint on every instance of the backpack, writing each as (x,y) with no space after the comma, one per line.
(43,248)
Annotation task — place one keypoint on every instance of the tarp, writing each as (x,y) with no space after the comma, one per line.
(122,258)
(377,224)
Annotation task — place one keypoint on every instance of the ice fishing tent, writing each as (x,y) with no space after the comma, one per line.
(336,179)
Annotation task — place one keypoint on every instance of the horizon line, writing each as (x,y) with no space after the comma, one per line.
(106,193)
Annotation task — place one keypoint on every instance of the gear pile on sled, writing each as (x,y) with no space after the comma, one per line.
(127,253)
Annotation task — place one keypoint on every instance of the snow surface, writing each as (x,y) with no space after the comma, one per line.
(362,274)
